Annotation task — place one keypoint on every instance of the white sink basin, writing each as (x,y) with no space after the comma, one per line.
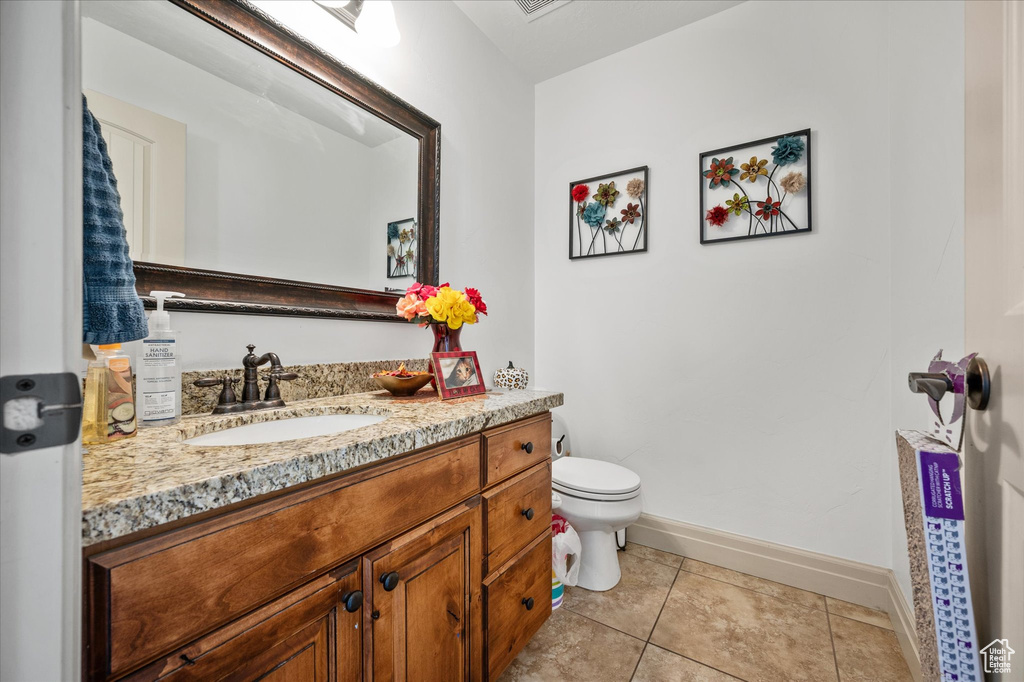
(286,429)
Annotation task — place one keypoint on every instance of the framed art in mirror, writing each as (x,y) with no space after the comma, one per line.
(258,237)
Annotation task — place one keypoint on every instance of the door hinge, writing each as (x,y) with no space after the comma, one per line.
(39,411)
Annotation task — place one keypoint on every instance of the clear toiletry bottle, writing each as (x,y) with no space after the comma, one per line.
(109,410)
(158,375)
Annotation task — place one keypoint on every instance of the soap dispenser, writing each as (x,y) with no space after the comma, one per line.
(158,369)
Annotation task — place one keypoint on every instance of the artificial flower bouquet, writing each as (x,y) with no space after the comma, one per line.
(426,304)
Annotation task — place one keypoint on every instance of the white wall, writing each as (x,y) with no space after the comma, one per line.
(926,124)
(749,383)
(447,68)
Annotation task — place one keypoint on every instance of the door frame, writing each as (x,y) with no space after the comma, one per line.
(41,307)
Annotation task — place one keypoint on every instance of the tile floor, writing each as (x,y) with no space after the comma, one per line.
(672,619)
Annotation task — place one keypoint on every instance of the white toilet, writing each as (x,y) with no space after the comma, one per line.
(597,499)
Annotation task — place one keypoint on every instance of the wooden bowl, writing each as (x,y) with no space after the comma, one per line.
(402,386)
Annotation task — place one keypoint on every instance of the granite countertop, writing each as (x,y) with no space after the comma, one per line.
(154,478)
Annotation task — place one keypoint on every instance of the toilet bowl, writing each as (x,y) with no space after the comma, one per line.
(597,499)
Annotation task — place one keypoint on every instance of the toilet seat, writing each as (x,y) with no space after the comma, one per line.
(593,479)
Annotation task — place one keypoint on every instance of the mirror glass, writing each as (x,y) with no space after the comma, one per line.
(228,160)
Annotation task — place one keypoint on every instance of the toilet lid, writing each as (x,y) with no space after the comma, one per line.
(593,476)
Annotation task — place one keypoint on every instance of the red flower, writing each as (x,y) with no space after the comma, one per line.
(717,216)
(767,208)
(476,299)
(580,192)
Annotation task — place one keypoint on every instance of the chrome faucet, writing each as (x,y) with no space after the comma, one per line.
(227,403)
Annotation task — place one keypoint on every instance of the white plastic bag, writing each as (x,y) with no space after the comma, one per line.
(565,556)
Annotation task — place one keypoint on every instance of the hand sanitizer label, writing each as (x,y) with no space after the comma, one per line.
(158,405)
(158,352)
(158,380)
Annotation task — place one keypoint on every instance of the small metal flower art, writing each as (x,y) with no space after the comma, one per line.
(607,223)
(769,202)
(401,248)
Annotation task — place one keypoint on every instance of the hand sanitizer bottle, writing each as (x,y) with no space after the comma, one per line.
(158,370)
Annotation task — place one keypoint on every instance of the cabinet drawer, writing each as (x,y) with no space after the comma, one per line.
(510,625)
(510,449)
(156,594)
(515,513)
(301,636)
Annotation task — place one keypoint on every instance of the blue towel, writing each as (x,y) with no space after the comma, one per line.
(111,310)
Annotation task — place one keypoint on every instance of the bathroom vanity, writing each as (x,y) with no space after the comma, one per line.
(415,548)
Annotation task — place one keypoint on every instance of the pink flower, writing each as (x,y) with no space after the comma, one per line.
(476,299)
(411,306)
(424,291)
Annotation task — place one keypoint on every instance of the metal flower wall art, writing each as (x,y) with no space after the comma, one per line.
(608,214)
(402,248)
(757,189)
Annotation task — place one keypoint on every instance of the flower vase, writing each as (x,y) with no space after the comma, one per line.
(445,339)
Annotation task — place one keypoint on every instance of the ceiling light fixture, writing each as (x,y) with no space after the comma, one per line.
(372,19)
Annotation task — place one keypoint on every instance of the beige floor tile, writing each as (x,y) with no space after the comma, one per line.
(810,599)
(632,606)
(571,648)
(659,665)
(866,653)
(858,612)
(747,634)
(652,554)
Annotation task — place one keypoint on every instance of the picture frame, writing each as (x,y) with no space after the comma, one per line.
(401,252)
(608,214)
(446,365)
(733,195)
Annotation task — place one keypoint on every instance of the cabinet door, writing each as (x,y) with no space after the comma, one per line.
(312,634)
(423,589)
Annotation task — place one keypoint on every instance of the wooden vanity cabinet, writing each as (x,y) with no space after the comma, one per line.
(425,618)
(417,568)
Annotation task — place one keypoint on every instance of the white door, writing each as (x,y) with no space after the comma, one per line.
(147,151)
(40,332)
(994,235)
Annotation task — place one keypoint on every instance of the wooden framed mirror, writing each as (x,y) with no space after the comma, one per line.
(297,169)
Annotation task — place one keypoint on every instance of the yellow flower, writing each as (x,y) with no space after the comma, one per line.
(754,168)
(451,307)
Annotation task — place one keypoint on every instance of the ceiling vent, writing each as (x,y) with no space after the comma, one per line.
(534,9)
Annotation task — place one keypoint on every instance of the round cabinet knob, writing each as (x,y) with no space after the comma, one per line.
(353,601)
(528,446)
(528,603)
(389,580)
(528,513)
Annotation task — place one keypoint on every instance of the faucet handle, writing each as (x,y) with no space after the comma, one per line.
(227,393)
(273,392)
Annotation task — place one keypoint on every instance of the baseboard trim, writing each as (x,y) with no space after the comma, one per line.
(852,581)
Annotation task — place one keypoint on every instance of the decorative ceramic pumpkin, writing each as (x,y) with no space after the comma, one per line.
(511,377)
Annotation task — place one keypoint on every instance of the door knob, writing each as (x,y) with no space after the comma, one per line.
(528,513)
(937,384)
(528,446)
(353,601)
(389,580)
(933,384)
(528,603)
(979,384)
